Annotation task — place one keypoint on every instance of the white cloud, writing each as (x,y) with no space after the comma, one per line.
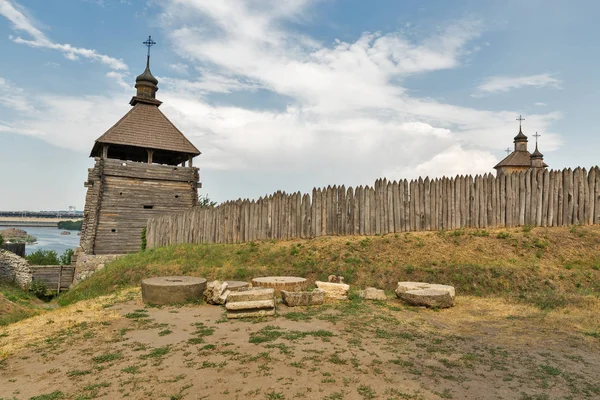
(39,40)
(502,84)
(13,97)
(180,68)
(540,104)
(342,116)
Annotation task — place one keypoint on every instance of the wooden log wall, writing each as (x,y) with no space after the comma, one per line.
(51,275)
(535,197)
(123,195)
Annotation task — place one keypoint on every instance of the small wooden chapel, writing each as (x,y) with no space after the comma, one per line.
(143,168)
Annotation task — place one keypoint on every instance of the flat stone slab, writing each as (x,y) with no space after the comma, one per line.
(250,305)
(254,294)
(426,294)
(293,299)
(335,291)
(168,290)
(372,293)
(250,313)
(235,286)
(279,283)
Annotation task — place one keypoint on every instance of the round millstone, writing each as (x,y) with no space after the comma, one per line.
(170,290)
(279,283)
(235,286)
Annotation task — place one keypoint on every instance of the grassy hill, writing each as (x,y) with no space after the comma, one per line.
(548,267)
(17,304)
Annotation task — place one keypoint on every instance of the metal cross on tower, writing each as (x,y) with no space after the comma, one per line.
(149,43)
(520,119)
(507,150)
(536,136)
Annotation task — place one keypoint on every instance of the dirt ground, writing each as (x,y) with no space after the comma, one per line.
(482,348)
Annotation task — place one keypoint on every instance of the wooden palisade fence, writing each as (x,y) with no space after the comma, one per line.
(535,197)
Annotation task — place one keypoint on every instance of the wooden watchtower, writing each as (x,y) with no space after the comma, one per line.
(140,172)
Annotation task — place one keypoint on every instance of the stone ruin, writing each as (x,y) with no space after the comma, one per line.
(243,301)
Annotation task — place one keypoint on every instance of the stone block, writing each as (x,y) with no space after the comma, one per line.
(335,291)
(251,295)
(426,294)
(293,299)
(372,293)
(236,286)
(250,313)
(170,290)
(279,283)
(250,305)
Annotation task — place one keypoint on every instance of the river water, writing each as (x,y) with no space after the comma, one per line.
(50,239)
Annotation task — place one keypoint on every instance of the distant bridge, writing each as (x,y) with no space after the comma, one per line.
(62,215)
(36,219)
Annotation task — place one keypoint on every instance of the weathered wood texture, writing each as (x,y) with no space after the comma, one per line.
(534,197)
(122,196)
(52,274)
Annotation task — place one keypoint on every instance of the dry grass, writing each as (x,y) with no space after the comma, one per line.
(19,335)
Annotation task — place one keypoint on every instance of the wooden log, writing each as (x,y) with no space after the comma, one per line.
(582,195)
(435,221)
(476,199)
(597,197)
(373,214)
(591,198)
(551,198)
(426,212)
(576,186)
(545,197)
(570,197)
(324,210)
(401,204)
(411,199)
(472,203)
(396,206)
(367,210)
(559,199)
(502,200)
(351,210)
(456,203)
(390,208)
(539,198)
(315,214)
(509,200)
(360,199)
(452,201)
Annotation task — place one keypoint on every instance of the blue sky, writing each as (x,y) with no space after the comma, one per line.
(289,95)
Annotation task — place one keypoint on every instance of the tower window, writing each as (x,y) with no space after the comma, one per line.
(176,196)
(148,207)
(113,230)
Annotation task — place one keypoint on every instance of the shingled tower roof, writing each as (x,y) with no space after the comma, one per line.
(145,126)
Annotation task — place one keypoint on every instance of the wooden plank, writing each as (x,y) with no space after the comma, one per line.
(576,197)
(597,197)
(570,197)
(426,205)
(591,181)
(373,209)
(551,198)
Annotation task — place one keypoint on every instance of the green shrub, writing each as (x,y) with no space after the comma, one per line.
(144,242)
(65,258)
(39,289)
(1,240)
(43,257)
(71,225)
